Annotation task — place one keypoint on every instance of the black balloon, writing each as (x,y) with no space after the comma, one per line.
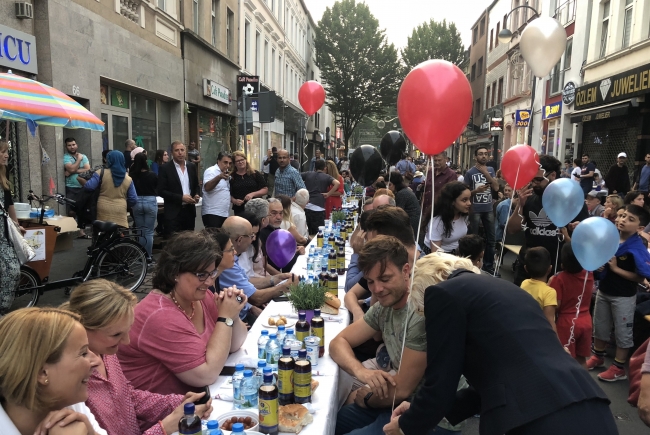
(392,147)
(366,164)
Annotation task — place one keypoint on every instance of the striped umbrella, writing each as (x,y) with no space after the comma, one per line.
(22,99)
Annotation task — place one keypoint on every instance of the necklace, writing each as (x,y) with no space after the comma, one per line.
(181,308)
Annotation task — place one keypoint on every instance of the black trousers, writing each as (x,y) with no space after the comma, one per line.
(587,417)
(183,221)
(315,219)
(212,220)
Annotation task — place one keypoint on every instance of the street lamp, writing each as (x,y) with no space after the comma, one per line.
(505,36)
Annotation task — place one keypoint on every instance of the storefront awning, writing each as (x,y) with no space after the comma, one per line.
(602,112)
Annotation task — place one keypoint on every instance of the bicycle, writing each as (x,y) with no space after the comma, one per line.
(115,254)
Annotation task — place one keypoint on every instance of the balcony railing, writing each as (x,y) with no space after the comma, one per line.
(566,12)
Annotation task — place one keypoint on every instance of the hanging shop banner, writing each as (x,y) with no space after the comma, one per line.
(522,118)
(615,88)
(216,91)
(249,84)
(552,111)
(496,124)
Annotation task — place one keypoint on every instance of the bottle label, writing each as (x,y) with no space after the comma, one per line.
(333,287)
(268,415)
(191,432)
(320,242)
(302,391)
(341,262)
(285,381)
(261,352)
(319,332)
(301,335)
(250,400)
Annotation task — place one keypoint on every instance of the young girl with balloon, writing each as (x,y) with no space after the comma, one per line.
(450,220)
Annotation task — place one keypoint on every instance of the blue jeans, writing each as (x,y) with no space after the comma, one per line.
(487,217)
(355,420)
(144,215)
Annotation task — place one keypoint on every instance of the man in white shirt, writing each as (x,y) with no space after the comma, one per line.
(216,192)
(298,212)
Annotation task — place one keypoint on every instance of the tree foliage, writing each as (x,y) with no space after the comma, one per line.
(361,72)
(433,40)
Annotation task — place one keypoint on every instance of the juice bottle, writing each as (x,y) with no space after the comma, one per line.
(302,378)
(330,239)
(323,277)
(302,327)
(285,377)
(190,424)
(344,231)
(333,282)
(319,239)
(268,402)
(340,259)
(318,329)
(331,259)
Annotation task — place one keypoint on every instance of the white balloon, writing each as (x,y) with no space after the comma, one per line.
(542,43)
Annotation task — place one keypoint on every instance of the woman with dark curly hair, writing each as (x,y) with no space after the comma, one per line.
(450,221)
(182,332)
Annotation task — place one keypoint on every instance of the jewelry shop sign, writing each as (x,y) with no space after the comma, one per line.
(615,88)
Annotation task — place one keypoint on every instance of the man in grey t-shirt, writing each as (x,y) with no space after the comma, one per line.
(481,180)
(317,183)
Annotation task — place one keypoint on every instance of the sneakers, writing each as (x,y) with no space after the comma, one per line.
(595,361)
(612,374)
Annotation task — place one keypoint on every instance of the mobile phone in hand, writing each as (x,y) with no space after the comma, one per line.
(203,400)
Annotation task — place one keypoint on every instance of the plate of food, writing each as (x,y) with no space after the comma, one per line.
(275,321)
(248,417)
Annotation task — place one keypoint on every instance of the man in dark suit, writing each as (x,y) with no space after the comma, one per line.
(178,184)
(522,380)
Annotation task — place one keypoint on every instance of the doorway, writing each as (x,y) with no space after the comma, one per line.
(117,128)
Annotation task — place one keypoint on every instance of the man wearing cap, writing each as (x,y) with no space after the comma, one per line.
(617,179)
(594,206)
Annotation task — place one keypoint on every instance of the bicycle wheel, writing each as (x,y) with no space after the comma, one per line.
(124,263)
(27,292)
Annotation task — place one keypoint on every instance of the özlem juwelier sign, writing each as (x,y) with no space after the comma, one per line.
(615,88)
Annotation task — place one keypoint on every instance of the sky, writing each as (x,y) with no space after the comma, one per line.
(399,17)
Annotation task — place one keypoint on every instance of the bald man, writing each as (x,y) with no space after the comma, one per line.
(383,200)
(259,290)
(287,179)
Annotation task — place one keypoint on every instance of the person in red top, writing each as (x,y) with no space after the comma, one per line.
(106,311)
(568,285)
(334,200)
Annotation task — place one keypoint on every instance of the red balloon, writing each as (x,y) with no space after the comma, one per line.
(434,105)
(519,165)
(311,96)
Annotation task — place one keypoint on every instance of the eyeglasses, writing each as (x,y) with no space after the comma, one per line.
(232,249)
(240,161)
(202,276)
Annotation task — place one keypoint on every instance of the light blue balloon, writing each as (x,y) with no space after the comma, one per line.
(594,241)
(562,200)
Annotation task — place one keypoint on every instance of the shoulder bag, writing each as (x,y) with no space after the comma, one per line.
(24,252)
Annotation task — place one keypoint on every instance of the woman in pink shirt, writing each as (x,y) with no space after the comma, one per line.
(182,332)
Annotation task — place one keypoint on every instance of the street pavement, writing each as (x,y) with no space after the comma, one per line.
(65,263)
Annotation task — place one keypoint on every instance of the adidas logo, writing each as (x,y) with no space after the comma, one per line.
(540,220)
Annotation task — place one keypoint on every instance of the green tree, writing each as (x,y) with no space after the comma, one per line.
(361,72)
(433,40)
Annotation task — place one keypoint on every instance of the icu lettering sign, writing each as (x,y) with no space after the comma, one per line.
(17,50)
(611,89)
(216,91)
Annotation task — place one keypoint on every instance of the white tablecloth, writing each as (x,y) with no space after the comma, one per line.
(326,398)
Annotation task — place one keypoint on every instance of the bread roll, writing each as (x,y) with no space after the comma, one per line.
(293,418)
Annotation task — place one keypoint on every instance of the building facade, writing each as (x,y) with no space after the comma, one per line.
(477,69)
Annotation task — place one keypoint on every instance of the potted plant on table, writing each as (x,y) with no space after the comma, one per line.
(307,297)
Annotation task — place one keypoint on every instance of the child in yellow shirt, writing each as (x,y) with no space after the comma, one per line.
(537,263)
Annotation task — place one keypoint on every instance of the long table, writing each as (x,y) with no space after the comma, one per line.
(325,400)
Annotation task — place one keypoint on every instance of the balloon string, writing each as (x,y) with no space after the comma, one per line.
(415,258)
(505,230)
(560,239)
(573,321)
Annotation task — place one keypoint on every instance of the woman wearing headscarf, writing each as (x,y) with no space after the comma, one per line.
(117,191)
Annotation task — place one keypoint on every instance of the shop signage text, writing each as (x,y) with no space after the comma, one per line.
(618,87)
(522,118)
(552,110)
(17,50)
(216,91)
(597,115)
(569,93)
(253,81)
(254,106)
(496,124)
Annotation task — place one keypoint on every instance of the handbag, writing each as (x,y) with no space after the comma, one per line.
(24,252)
(86,205)
(636,361)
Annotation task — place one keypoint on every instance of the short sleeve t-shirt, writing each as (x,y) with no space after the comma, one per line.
(436,231)
(317,183)
(481,202)
(613,284)
(541,292)
(568,288)
(587,182)
(164,342)
(391,324)
(217,200)
(71,180)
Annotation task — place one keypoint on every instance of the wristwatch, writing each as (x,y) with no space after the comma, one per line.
(365,399)
(227,320)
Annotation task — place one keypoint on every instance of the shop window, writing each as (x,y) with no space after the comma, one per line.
(214,137)
(119,98)
(143,121)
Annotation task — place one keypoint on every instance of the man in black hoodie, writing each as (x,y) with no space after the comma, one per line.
(617,179)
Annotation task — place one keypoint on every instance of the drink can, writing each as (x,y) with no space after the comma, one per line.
(296,345)
(312,344)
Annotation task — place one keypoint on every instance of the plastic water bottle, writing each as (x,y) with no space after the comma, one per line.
(213,428)
(324,259)
(273,352)
(289,338)
(238,429)
(310,263)
(249,388)
(236,385)
(312,251)
(282,332)
(259,372)
(261,344)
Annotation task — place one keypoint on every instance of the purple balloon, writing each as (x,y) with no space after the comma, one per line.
(281,247)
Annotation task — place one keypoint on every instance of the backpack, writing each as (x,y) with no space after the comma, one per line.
(86,206)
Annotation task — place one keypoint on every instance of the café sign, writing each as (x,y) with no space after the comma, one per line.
(615,88)
(569,93)
(216,91)
(522,118)
(17,50)
(552,110)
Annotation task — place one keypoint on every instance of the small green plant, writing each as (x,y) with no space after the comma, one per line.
(358,189)
(337,216)
(305,296)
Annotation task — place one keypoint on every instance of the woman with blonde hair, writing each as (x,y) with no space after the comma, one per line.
(106,312)
(334,199)
(245,183)
(44,373)
(287,221)
(9,264)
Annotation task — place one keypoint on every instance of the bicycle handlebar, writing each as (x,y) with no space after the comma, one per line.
(61,199)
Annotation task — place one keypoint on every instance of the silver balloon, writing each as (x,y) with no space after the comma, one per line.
(542,43)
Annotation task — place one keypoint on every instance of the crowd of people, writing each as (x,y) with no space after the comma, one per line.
(433,330)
